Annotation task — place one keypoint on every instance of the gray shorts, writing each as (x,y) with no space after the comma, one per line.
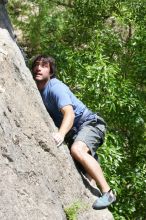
(90,134)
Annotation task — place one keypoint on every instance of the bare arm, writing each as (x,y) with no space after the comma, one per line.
(68,119)
(66,125)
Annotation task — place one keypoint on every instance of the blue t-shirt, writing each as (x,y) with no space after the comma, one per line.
(55,96)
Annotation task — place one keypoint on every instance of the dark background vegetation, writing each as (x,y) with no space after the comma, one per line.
(100,51)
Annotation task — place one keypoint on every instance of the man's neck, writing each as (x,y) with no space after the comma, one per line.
(41,85)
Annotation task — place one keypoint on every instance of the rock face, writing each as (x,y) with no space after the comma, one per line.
(38,181)
(4,19)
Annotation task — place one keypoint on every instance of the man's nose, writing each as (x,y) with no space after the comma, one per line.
(38,67)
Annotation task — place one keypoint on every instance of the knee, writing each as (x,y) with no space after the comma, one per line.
(74,150)
(77,151)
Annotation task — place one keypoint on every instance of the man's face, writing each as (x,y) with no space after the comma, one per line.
(41,71)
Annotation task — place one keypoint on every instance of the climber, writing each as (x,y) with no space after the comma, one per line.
(82,129)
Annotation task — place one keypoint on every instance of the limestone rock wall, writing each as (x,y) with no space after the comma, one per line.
(37,179)
(4,19)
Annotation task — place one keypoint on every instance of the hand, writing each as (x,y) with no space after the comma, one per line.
(58,137)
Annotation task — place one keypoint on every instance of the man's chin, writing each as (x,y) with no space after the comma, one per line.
(37,79)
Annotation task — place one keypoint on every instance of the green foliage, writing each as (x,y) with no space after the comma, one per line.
(73,210)
(100,51)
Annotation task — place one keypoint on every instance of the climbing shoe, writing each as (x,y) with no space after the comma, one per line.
(104,201)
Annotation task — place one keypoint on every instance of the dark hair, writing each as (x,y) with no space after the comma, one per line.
(46,59)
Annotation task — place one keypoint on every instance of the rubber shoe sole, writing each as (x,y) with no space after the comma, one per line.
(104,201)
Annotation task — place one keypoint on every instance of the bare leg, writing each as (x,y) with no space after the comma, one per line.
(80,152)
(91,180)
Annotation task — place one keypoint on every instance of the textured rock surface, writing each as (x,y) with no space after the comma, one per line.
(4,19)
(37,179)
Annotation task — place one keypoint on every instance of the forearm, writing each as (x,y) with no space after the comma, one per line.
(67,123)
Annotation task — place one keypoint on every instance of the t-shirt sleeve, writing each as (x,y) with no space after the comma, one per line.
(60,95)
